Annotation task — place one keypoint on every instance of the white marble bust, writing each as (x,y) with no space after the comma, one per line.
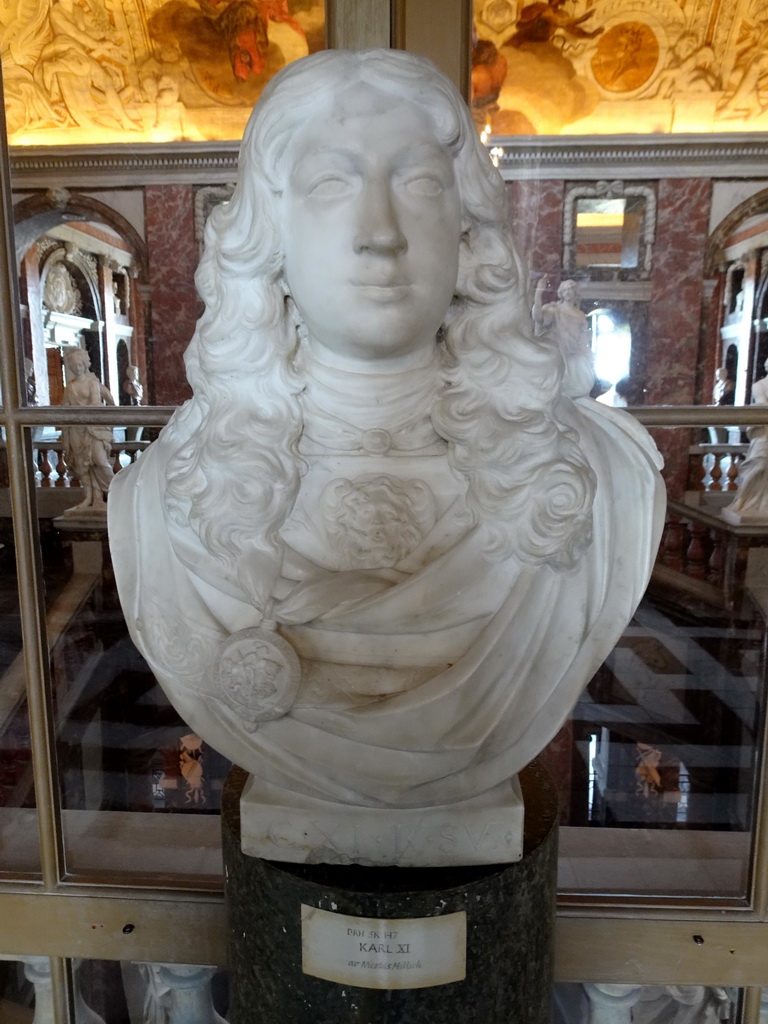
(377,556)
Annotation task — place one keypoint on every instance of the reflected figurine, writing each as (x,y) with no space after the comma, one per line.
(30,384)
(378,555)
(569,325)
(87,447)
(724,390)
(751,501)
(132,385)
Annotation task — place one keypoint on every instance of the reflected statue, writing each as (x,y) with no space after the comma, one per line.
(132,385)
(377,556)
(30,384)
(751,501)
(724,390)
(87,447)
(569,325)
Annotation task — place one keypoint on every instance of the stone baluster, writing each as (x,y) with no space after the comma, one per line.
(61,469)
(183,992)
(716,472)
(37,969)
(673,543)
(696,556)
(708,463)
(733,472)
(117,464)
(716,563)
(612,1004)
(45,467)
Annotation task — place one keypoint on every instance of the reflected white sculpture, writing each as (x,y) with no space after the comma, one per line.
(132,385)
(377,556)
(569,325)
(751,501)
(724,387)
(88,447)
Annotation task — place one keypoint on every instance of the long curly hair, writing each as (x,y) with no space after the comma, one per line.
(234,470)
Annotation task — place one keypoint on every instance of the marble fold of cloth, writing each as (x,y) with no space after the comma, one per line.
(427,681)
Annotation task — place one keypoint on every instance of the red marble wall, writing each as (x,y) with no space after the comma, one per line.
(137,319)
(536,217)
(673,344)
(682,222)
(174,304)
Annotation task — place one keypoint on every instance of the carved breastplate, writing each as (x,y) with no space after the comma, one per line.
(356,512)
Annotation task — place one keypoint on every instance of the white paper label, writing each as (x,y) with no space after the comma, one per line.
(415,952)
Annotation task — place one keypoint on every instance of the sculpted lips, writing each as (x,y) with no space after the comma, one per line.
(382,290)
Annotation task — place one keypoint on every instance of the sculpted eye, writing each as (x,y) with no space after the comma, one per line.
(330,187)
(423,185)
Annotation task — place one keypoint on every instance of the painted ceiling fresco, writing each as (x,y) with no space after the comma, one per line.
(574,67)
(100,71)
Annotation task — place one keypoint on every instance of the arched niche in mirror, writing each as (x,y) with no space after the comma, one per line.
(737,264)
(760,323)
(71,312)
(609,229)
(83,267)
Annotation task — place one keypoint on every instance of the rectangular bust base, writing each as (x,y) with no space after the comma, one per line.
(759,518)
(285,826)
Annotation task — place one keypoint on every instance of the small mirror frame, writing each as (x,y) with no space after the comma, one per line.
(609,190)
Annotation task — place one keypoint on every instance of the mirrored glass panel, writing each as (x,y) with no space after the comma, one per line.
(140,792)
(658,765)
(608,232)
(132,993)
(109,273)
(19,849)
(680,262)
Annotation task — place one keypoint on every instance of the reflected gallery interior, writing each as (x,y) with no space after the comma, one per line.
(658,768)
(101,276)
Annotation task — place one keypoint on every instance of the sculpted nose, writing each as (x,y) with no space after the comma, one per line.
(378,228)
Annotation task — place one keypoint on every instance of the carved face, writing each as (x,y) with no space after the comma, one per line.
(77,363)
(372,222)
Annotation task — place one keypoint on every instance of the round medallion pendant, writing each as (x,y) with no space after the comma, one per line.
(259,675)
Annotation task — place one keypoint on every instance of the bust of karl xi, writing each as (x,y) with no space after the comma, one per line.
(377,556)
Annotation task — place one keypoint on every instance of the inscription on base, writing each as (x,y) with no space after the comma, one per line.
(385,954)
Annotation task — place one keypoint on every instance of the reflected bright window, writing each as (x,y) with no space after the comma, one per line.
(611,344)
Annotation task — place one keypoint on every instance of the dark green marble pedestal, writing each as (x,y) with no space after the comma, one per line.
(508,911)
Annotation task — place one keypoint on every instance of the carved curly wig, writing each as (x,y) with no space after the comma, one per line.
(235,471)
